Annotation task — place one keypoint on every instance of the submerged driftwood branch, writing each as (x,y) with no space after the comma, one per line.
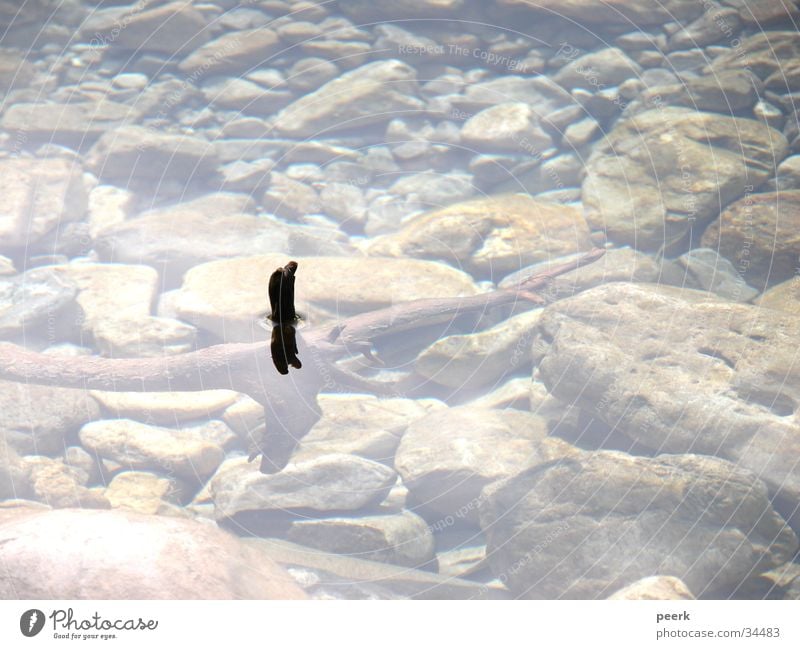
(243,366)
(290,404)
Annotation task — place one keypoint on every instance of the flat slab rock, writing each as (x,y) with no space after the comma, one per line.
(401,538)
(369,94)
(226,296)
(335,482)
(184,452)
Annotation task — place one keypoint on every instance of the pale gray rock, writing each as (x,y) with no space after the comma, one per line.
(227,296)
(232,53)
(622,518)
(109,291)
(76,124)
(345,203)
(758,235)
(368,11)
(37,419)
(175,239)
(363,425)
(788,176)
(543,94)
(244,176)
(164,408)
(246,127)
(310,73)
(707,269)
(172,29)
(763,53)
(179,451)
(435,189)
(290,198)
(401,538)
(245,96)
(680,371)
(34,303)
(711,27)
(662,173)
(146,336)
(512,394)
(335,482)
(367,95)
(82,554)
(597,70)
(244,417)
(489,236)
(298,31)
(770,114)
(448,456)
(729,92)
(38,196)
(346,54)
(137,152)
(613,12)
(512,126)
(466,362)
(143,492)
(580,133)
(108,205)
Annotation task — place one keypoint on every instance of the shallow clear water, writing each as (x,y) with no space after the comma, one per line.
(486,407)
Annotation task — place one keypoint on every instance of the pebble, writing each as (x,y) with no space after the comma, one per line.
(156,175)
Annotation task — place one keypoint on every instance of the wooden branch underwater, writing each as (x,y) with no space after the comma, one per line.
(221,366)
(290,403)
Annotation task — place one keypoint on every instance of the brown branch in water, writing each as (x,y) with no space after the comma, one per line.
(364,327)
(209,368)
(244,366)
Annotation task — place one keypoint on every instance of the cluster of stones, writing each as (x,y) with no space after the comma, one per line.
(635,438)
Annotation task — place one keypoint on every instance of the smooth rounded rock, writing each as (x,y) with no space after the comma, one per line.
(585,527)
(759,235)
(489,236)
(448,456)
(333,482)
(663,173)
(82,554)
(183,452)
